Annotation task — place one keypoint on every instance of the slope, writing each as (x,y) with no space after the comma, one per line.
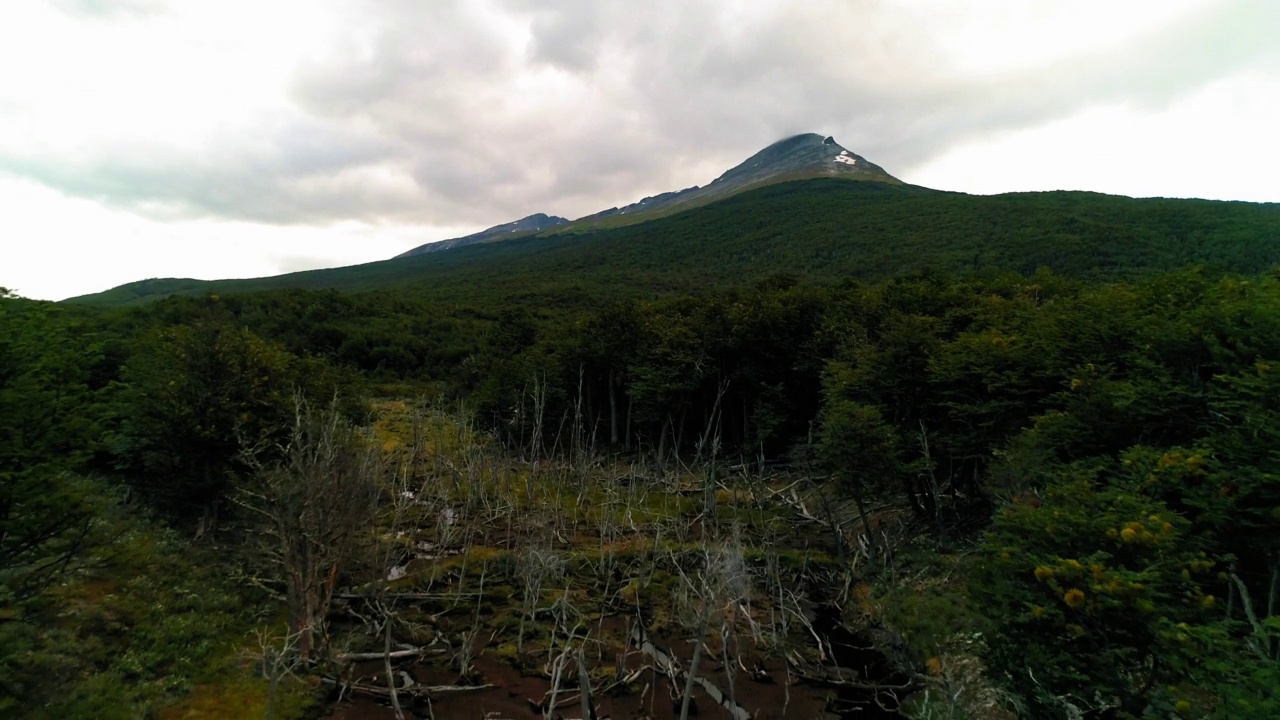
(524,226)
(826,229)
(800,157)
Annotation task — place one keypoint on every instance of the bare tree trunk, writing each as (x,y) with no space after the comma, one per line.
(539,410)
(580,418)
(391,678)
(314,503)
(693,664)
(933,486)
(584,689)
(866,529)
(709,494)
(678,437)
(627,433)
(1259,630)
(277,664)
(729,659)
(272,684)
(841,553)
(1272,598)
(613,409)
(712,424)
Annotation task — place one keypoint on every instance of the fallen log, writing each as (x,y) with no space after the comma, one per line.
(664,660)
(450,596)
(842,678)
(410,690)
(394,655)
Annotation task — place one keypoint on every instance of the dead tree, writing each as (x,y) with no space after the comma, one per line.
(315,504)
(277,659)
(535,567)
(719,591)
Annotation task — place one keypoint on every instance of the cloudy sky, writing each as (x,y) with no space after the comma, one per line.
(238,138)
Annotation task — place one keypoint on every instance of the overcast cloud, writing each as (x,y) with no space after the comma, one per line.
(235,137)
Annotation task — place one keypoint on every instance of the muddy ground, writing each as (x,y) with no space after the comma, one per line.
(805,680)
(500,572)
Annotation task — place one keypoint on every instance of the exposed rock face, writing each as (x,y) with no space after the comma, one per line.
(795,158)
(808,155)
(524,226)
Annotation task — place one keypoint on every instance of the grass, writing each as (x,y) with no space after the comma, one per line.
(244,696)
(153,631)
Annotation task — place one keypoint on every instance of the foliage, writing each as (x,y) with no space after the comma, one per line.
(822,228)
(191,400)
(103,613)
(51,516)
(123,638)
(1116,574)
(1094,587)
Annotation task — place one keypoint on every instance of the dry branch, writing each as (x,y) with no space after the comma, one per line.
(395,655)
(412,690)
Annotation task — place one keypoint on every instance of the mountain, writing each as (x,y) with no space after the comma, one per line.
(800,157)
(524,226)
(823,229)
(791,208)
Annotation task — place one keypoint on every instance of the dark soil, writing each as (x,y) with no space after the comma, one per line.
(764,692)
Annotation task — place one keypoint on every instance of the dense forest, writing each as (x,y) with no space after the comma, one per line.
(1019,492)
(824,229)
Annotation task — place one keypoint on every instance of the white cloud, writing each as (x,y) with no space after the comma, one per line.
(335,129)
(57,247)
(1218,143)
(991,36)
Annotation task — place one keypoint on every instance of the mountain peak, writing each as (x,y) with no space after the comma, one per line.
(801,156)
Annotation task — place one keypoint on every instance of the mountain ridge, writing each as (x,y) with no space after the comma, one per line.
(791,208)
(528,225)
(824,229)
(798,157)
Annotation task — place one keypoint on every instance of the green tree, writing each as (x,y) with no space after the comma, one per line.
(49,426)
(54,519)
(1095,591)
(191,400)
(861,451)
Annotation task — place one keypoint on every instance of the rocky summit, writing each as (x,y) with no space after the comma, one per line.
(800,157)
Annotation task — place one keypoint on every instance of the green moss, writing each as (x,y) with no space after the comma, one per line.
(505,651)
(246,697)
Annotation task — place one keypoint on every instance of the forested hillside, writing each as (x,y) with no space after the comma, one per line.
(825,229)
(1027,494)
